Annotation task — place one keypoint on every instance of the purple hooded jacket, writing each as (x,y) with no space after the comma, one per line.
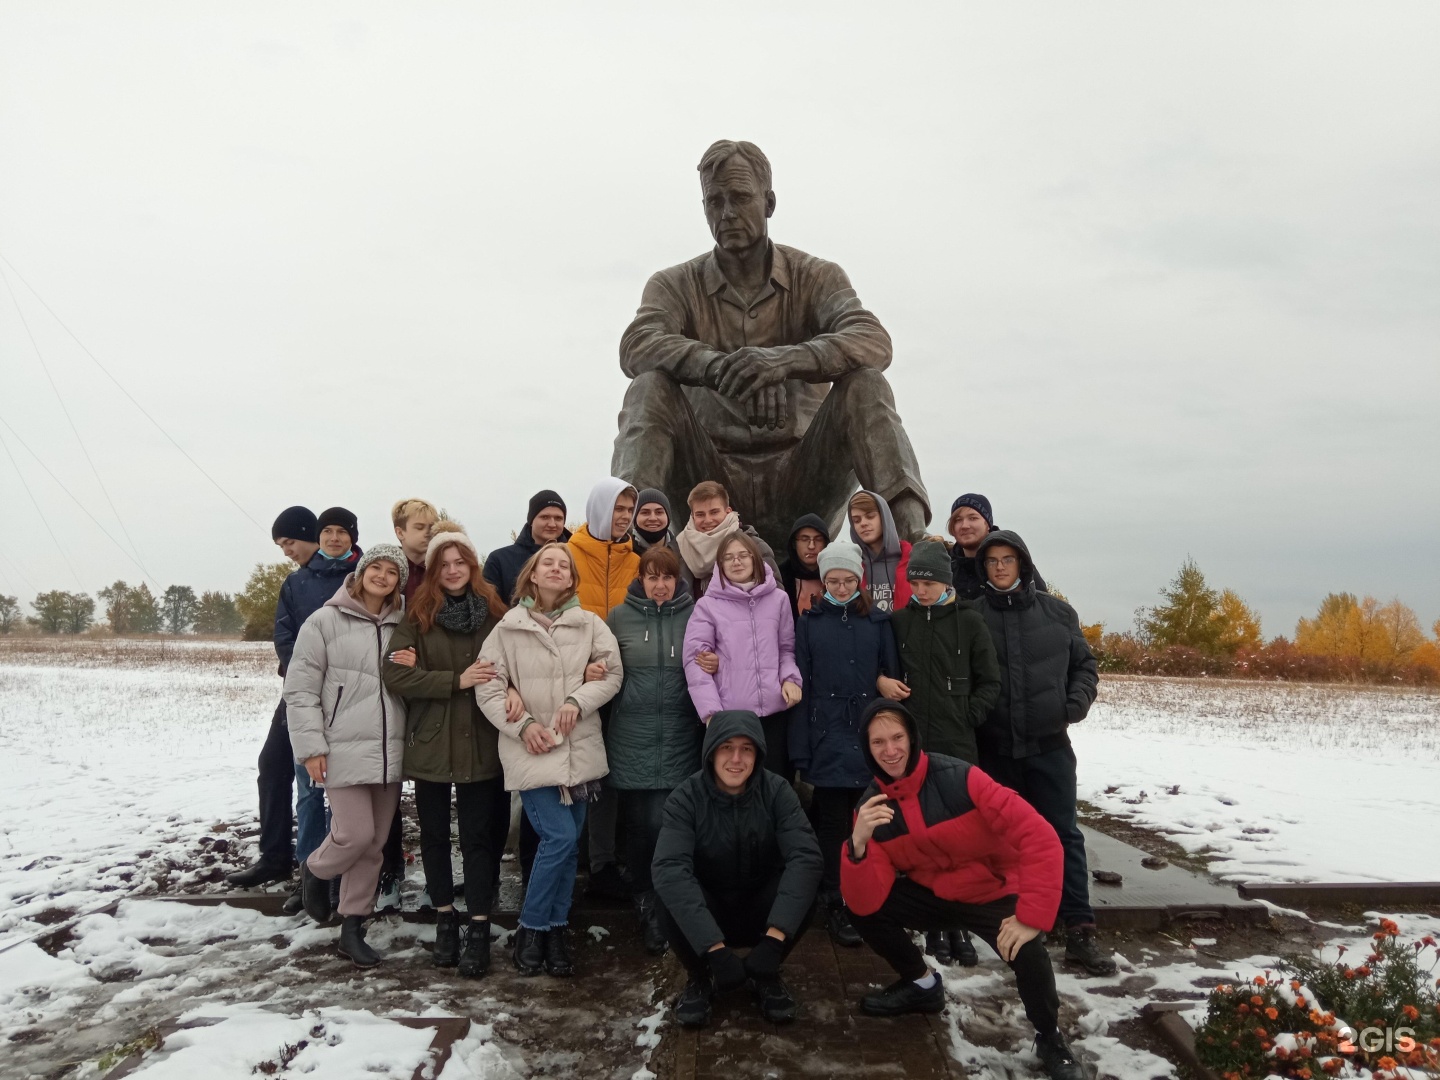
(753,633)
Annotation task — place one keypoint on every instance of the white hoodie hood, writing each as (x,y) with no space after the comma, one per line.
(600,506)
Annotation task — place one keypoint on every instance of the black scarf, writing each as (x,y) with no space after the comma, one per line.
(463,614)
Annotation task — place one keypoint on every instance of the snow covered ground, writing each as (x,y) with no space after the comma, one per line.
(125,770)
(1274,781)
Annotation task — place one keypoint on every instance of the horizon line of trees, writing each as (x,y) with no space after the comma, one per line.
(1197,630)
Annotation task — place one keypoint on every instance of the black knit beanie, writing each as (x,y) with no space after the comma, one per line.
(338,515)
(979,503)
(540,500)
(929,561)
(296,523)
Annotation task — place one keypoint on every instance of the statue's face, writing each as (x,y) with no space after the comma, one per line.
(735,206)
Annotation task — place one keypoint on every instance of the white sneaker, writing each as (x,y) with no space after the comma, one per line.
(389,898)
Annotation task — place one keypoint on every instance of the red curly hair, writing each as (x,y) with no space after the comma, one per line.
(429,597)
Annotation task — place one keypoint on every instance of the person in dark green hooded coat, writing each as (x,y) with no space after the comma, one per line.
(653,741)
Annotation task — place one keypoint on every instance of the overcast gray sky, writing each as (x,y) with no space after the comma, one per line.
(1162,279)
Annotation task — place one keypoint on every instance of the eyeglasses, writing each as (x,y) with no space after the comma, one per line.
(1004,560)
(736,560)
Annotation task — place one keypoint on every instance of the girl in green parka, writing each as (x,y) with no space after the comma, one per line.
(434,664)
(653,742)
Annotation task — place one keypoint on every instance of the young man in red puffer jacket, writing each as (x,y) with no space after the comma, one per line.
(973,854)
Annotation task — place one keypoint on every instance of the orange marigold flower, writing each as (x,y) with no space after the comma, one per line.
(1261,1033)
(1256,999)
(1411,1012)
(1299,1001)
(1390,926)
(1295,984)
(1282,1053)
(1363,971)
(1388,1063)
(1259,980)
(1273,1013)
(1349,973)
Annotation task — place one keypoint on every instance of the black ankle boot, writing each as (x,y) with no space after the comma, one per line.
(963,949)
(315,895)
(352,943)
(937,944)
(475,960)
(558,960)
(529,951)
(447,939)
(650,932)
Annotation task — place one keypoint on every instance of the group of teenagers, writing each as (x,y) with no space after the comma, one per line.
(653,688)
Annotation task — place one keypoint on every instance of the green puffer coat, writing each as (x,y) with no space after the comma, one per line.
(953,675)
(653,739)
(447,738)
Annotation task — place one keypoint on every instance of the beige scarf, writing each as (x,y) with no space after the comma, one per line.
(699,549)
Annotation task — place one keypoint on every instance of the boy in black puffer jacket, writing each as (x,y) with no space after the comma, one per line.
(736,866)
(1048,682)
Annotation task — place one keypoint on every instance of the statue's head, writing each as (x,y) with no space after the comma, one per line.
(735,182)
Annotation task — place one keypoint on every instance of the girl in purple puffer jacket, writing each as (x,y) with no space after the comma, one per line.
(740,647)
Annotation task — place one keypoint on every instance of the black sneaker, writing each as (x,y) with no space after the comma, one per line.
(842,930)
(529,954)
(353,945)
(962,949)
(777,1003)
(558,961)
(937,944)
(1059,1061)
(315,895)
(1081,948)
(475,959)
(446,953)
(905,997)
(260,872)
(692,1007)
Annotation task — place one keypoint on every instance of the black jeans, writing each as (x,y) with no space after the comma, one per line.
(641,809)
(276,782)
(832,816)
(913,907)
(1047,782)
(743,915)
(777,744)
(482,812)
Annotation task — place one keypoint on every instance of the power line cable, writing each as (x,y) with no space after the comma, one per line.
(16,567)
(84,509)
(127,393)
(71,421)
(56,540)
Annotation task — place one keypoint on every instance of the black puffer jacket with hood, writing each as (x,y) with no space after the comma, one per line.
(1048,676)
(969,575)
(731,845)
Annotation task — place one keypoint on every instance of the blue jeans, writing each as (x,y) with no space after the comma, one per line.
(552,880)
(312,821)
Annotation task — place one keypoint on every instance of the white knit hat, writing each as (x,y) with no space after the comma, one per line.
(449,532)
(841,555)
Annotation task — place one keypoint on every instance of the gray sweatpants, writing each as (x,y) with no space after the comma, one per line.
(360,818)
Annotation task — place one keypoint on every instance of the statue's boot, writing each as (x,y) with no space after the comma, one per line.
(910,517)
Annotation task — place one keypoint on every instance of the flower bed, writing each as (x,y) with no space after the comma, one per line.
(1318,1017)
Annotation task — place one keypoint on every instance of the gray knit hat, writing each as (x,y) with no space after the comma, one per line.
(394,552)
(929,561)
(841,555)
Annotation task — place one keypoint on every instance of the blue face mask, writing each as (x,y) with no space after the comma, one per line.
(339,558)
(841,603)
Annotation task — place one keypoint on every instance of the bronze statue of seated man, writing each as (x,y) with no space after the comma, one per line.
(756,365)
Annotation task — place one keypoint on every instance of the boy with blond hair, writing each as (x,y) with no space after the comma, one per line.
(413,520)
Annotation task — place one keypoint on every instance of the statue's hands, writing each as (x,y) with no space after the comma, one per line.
(750,369)
(768,408)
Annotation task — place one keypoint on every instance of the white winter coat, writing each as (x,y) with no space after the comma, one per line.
(334,700)
(546,667)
